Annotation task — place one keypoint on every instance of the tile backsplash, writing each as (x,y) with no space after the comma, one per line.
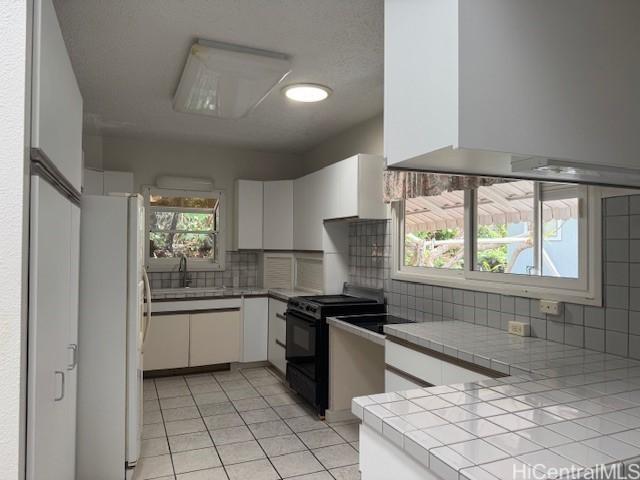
(613,328)
(241,270)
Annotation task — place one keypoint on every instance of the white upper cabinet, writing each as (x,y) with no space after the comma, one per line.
(310,194)
(248,207)
(277,216)
(56,117)
(471,85)
(354,188)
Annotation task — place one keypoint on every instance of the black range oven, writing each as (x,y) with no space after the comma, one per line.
(307,350)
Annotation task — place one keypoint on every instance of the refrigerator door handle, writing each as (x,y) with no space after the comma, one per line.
(147,322)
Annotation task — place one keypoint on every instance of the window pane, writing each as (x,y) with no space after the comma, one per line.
(560,238)
(192,245)
(505,233)
(434,231)
(170,221)
(189,202)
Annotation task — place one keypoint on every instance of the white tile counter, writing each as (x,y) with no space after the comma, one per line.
(562,407)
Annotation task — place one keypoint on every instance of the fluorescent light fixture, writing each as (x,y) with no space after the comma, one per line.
(228,81)
(570,169)
(306,92)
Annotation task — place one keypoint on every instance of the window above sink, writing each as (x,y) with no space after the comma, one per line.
(184,223)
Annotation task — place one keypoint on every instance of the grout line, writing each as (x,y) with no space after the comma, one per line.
(246,425)
(205,425)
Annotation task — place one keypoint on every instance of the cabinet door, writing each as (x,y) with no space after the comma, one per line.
(301,213)
(93,182)
(277,334)
(215,338)
(56,127)
(118,182)
(277,229)
(167,344)
(347,188)
(249,214)
(50,441)
(255,326)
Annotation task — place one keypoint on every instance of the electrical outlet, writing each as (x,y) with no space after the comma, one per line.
(550,307)
(519,328)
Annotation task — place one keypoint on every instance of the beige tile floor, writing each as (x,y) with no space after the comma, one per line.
(244,424)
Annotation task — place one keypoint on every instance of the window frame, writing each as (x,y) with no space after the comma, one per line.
(164,264)
(586,290)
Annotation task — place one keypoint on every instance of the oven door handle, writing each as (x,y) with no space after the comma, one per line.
(310,321)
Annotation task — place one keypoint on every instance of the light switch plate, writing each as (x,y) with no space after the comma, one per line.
(519,328)
(550,307)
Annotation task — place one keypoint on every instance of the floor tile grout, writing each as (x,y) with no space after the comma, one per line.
(177,383)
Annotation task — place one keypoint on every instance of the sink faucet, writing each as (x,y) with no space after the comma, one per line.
(184,278)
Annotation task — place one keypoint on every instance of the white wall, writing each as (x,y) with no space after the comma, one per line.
(15,46)
(149,158)
(92,149)
(365,137)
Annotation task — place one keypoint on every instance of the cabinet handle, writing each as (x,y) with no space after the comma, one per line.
(74,350)
(283,316)
(280,344)
(61,374)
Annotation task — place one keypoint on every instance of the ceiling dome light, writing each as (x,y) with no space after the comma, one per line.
(306,92)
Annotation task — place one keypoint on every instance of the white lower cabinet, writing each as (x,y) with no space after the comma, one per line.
(255,326)
(397,383)
(193,339)
(277,334)
(215,337)
(423,368)
(167,344)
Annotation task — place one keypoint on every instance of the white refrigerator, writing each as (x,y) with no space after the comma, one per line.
(113,320)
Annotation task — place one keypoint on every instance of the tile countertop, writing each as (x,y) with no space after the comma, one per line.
(209,293)
(562,406)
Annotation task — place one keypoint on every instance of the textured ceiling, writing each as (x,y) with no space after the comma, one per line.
(128,56)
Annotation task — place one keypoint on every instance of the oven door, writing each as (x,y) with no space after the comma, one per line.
(302,333)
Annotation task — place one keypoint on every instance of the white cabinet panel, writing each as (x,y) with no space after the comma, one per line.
(167,344)
(419,365)
(248,208)
(459,74)
(215,337)
(255,326)
(277,218)
(455,374)
(56,120)
(277,334)
(93,182)
(53,313)
(395,383)
(353,188)
(118,182)
(310,195)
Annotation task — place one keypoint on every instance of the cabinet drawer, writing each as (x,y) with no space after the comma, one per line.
(454,374)
(396,383)
(276,356)
(419,365)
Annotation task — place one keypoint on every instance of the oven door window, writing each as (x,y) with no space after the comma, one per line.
(301,342)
